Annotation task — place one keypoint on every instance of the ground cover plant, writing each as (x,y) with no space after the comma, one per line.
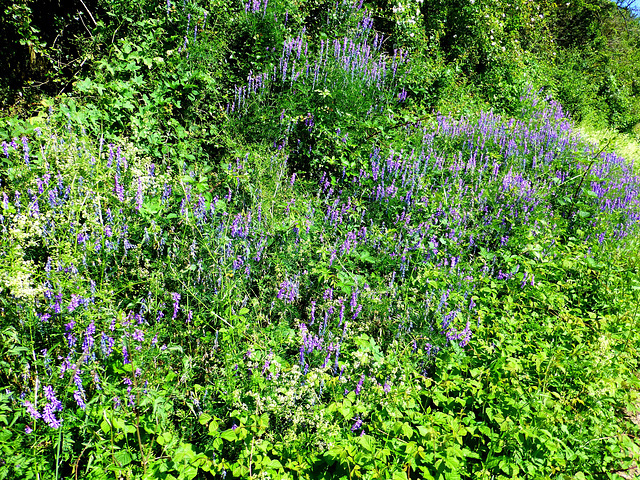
(296,268)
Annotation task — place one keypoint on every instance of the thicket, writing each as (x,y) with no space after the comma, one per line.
(318,240)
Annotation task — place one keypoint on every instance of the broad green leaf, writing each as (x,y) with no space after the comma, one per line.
(213,427)
(123,458)
(229,435)
(204,418)
(105,426)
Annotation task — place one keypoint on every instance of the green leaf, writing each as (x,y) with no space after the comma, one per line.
(346,412)
(213,427)
(367,443)
(105,426)
(164,439)
(123,458)
(204,418)
(229,435)
(399,475)
(365,256)
(407,430)
(189,472)
(118,423)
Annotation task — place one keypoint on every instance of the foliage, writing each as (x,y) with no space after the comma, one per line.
(248,245)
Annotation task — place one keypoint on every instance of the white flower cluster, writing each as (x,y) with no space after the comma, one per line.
(16,273)
(19,281)
(408,17)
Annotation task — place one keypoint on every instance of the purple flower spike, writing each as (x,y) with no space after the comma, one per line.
(359,386)
(356,426)
(176,304)
(49,417)
(31,410)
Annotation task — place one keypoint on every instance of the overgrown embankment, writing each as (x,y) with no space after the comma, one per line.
(263,252)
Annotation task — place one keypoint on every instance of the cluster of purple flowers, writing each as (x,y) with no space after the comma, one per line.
(421,212)
(338,63)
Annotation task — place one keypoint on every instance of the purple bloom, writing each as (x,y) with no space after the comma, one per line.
(176,304)
(88,337)
(357,425)
(74,303)
(138,335)
(51,397)
(139,195)
(78,395)
(289,290)
(25,147)
(359,386)
(465,335)
(118,188)
(31,410)
(49,416)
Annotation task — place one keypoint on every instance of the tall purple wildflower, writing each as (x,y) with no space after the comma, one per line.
(176,304)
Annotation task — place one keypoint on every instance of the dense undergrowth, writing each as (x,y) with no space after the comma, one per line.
(263,252)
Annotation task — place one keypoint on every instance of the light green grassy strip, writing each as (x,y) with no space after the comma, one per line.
(625,145)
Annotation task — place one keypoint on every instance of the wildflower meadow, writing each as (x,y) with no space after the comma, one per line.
(246,246)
